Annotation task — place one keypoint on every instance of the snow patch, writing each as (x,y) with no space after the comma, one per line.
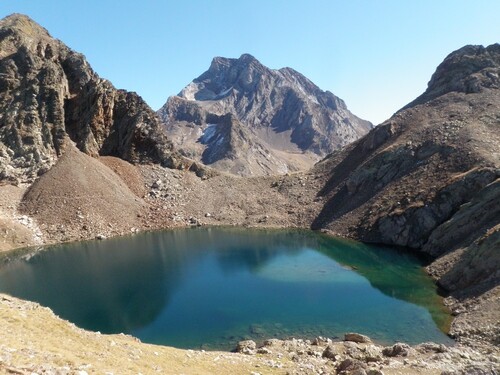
(208,133)
(224,93)
(219,141)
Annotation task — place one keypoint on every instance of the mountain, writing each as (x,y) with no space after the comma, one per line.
(429,179)
(285,121)
(49,93)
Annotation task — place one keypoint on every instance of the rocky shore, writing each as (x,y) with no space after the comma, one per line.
(26,348)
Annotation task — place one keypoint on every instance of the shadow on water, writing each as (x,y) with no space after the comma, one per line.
(160,285)
(395,272)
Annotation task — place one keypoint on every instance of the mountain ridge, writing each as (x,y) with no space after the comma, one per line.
(468,70)
(283,109)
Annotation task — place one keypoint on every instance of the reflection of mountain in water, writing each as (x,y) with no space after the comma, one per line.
(89,282)
(123,284)
(394,272)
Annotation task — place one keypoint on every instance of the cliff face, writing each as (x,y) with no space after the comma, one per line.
(428,178)
(49,93)
(294,122)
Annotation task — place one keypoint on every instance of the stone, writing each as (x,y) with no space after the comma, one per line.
(432,347)
(356,337)
(349,365)
(157,184)
(264,350)
(372,353)
(246,347)
(319,340)
(330,353)
(397,350)
(272,342)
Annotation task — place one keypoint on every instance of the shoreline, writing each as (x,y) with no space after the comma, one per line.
(69,349)
(429,300)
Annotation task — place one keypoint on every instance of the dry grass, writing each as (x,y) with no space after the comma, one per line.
(33,340)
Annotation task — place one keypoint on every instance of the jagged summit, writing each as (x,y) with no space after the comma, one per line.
(20,21)
(466,70)
(282,109)
(244,59)
(19,30)
(23,24)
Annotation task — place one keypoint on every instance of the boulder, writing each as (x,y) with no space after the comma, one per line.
(246,347)
(330,353)
(351,366)
(357,337)
(397,350)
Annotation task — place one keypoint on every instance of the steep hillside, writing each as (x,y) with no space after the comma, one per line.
(81,197)
(292,121)
(224,143)
(428,178)
(49,93)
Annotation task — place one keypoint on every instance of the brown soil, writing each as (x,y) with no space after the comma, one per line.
(127,172)
(81,198)
(15,230)
(180,198)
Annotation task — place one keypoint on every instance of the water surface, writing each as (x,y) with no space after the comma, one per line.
(211,287)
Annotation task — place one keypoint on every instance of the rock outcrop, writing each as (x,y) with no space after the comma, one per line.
(428,178)
(49,93)
(468,70)
(278,114)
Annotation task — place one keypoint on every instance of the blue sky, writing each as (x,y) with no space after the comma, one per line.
(377,55)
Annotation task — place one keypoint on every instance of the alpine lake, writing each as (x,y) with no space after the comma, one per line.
(212,287)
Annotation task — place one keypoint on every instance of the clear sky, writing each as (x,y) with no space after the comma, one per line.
(377,55)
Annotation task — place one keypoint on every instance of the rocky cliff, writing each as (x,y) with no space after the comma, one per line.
(49,93)
(291,119)
(428,178)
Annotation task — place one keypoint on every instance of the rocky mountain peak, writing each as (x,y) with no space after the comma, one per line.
(22,24)
(49,94)
(224,75)
(244,60)
(19,32)
(469,69)
(281,109)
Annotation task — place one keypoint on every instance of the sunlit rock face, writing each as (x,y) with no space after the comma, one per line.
(428,178)
(49,93)
(281,121)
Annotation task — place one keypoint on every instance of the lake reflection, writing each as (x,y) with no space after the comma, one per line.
(211,287)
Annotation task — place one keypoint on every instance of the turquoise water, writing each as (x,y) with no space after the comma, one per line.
(211,287)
